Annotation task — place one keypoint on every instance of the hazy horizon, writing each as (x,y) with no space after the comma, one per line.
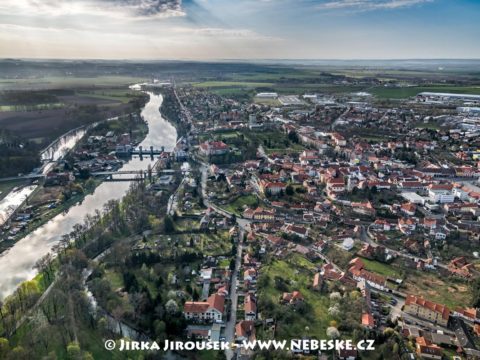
(219,30)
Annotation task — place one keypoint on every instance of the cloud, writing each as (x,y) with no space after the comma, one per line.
(112,8)
(146,8)
(366,5)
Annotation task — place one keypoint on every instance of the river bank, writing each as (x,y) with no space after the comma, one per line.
(38,206)
(105,232)
(16,264)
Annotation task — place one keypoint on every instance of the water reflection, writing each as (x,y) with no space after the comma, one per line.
(16,264)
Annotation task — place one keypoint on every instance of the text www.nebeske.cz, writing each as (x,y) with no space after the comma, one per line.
(292,345)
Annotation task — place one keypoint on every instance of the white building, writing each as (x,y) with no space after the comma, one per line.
(441,193)
(205,311)
(267,95)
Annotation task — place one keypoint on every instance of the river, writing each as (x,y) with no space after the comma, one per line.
(49,156)
(16,264)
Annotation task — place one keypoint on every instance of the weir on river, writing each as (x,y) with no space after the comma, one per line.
(16,264)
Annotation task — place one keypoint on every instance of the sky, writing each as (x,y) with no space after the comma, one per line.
(239,29)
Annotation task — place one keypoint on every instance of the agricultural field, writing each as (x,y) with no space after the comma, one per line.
(57,82)
(406,92)
(242,84)
(111,95)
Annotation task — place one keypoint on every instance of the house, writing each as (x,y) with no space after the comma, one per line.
(248,260)
(344,354)
(205,311)
(335,187)
(381,225)
(408,209)
(365,208)
(58,178)
(259,214)
(359,273)
(320,245)
(460,267)
(317,281)
(292,298)
(338,139)
(309,157)
(250,308)
(347,243)
(470,314)
(193,332)
(368,321)
(430,223)
(428,310)
(245,331)
(250,274)
(214,148)
(295,230)
(427,350)
(272,188)
(406,225)
(329,272)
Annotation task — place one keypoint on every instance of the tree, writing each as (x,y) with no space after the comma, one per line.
(333,332)
(293,137)
(195,295)
(73,351)
(335,296)
(333,311)
(476,293)
(169,225)
(18,353)
(171,306)
(4,348)
(289,190)
(159,328)
(154,222)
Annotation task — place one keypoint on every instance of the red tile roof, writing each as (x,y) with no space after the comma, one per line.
(442,309)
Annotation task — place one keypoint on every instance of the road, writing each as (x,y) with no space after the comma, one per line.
(32,310)
(335,123)
(206,202)
(173,199)
(230,325)
(263,154)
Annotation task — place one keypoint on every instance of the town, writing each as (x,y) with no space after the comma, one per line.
(273,216)
(351,219)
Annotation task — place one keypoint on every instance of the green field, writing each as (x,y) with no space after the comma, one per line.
(269,102)
(31,107)
(380,268)
(406,92)
(429,125)
(214,84)
(283,86)
(117,95)
(236,206)
(55,82)
(299,275)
